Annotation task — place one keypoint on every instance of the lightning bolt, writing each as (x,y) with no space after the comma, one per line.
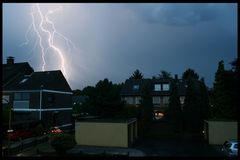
(44,27)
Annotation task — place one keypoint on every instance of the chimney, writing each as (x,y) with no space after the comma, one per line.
(10,60)
(176,77)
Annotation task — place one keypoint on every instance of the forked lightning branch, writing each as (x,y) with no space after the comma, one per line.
(42,25)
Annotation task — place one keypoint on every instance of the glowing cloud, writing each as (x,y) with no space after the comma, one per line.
(46,33)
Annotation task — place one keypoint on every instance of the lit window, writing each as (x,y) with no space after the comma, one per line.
(157,87)
(159,115)
(135,87)
(165,87)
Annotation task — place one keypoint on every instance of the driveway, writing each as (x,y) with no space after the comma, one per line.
(178,147)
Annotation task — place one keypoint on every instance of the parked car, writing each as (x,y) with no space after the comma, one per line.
(16,135)
(230,147)
(55,130)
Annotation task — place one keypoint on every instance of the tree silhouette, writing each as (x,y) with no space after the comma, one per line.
(164,74)
(146,108)
(224,93)
(136,75)
(190,73)
(174,111)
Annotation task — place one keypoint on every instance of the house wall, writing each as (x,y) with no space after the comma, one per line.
(105,134)
(63,118)
(132,99)
(59,100)
(220,131)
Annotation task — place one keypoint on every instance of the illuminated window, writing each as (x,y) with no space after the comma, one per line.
(159,115)
(157,87)
(165,87)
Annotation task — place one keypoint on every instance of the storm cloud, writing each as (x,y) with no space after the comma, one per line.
(112,40)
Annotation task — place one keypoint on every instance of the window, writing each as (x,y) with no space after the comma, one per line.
(5,99)
(136,87)
(129,100)
(165,87)
(235,146)
(21,96)
(137,100)
(156,100)
(24,80)
(157,87)
(165,99)
(182,98)
(21,100)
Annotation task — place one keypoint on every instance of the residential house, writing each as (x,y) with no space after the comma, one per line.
(37,96)
(131,93)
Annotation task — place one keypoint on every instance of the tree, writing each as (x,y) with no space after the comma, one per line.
(190,73)
(174,112)
(62,142)
(77,92)
(164,74)
(146,108)
(190,113)
(104,99)
(196,105)
(224,93)
(204,100)
(136,75)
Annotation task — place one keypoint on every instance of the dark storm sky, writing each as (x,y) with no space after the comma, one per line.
(112,40)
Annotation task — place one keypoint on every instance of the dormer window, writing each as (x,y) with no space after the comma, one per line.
(165,87)
(136,87)
(157,87)
(24,80)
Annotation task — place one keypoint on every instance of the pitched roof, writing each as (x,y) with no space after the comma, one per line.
(52,80)
(11,71)
(128,89)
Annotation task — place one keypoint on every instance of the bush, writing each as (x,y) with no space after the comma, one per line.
(62,142)
(38,130)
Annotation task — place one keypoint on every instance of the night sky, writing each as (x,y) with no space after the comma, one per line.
(113,40)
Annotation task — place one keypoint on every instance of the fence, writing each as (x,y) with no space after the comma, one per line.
(20,145)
